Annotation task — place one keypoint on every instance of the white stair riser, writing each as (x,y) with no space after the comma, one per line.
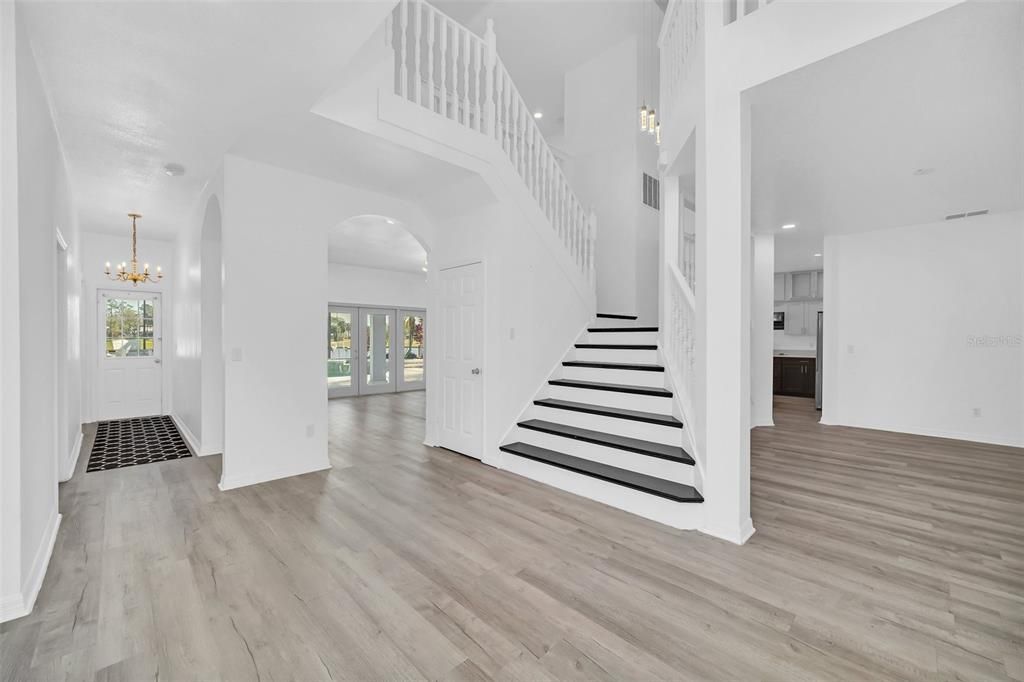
(644,464)
(622,337)
(614,376)
(649,357)
(605,322)
(676,514)
(625,401)
(655,433)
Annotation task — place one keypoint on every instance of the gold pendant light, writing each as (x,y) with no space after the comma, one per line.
(132,274)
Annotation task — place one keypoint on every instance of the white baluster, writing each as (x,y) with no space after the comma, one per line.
(443,52)
(506,86)
(477,50)
(457,32)
(430,56)
(389,21)
(517,140)
(417,35)
(489,76)
(465,79)
(403,69)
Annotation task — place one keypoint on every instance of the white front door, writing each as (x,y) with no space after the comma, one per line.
(461,359)
(130,376)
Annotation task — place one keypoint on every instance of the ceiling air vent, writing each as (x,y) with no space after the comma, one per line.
(967,214)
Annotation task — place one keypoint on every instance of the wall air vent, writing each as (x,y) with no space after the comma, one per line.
(967,214)
(652,192)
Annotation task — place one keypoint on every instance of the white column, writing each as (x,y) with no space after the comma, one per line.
(762,337)
(723,290)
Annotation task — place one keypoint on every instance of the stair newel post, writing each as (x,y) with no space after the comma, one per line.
(417,41)
(403,70)
(491,45)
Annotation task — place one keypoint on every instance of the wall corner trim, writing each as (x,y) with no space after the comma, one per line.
(232,482)
(67,469)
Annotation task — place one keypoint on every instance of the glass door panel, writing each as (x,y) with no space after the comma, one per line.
(342,362)
(378,330)
(413,356)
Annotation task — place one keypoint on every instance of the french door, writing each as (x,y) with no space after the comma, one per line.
(129,359)
(374,350)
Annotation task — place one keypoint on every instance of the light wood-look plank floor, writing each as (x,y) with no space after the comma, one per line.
(877,556)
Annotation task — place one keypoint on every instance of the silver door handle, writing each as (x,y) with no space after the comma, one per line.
(156,360)
(475,370)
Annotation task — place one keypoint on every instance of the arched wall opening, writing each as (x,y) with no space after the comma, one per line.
(212,331)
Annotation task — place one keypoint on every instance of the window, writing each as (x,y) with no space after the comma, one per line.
(129,328)
(652,192)
(339,349)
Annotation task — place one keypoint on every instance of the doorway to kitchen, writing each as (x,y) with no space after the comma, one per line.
(375,350)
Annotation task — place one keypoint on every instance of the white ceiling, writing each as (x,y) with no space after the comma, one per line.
(374,241)
(540,40)
(134,86)
(835,145)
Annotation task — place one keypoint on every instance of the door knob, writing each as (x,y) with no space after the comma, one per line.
(156,360)
(475,370)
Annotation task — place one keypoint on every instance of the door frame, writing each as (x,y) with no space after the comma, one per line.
(100,337)
(354,361)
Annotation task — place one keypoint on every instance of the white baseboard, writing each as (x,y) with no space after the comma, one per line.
(232,482)
(1008,441)
(18,605)
(67,469)
(187,434)
(736,536)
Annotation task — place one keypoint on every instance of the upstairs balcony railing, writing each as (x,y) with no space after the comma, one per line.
(680,29)
(443,66)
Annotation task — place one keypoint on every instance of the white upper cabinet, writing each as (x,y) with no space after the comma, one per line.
(803,285)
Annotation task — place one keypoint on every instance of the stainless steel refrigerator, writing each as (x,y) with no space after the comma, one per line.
(817,363)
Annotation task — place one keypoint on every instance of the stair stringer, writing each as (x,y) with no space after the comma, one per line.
(684,415)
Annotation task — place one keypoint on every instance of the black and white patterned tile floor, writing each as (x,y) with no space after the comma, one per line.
(142,440)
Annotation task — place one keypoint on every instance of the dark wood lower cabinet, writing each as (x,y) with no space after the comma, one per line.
(794,376)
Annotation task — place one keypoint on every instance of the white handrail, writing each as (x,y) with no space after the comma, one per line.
(442,71)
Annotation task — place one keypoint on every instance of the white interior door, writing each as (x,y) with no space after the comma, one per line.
(130,376)
(342,351)
(378,340)
(462,344)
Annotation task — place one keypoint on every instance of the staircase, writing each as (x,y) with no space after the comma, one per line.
(605,427)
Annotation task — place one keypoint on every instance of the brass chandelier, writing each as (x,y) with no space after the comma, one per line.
(124,274)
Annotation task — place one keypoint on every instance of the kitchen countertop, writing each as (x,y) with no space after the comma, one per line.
(795,353)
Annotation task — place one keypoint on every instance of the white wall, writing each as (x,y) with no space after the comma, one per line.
(602,137)
(97,250)
(906,309)
(375,286)
(36,201)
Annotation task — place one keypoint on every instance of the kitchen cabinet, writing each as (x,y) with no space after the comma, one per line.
(803,285)
(802,318)
(794,376)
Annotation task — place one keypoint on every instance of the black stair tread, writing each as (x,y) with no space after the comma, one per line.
(614,365)
(618,412)
(616,316)
(642,447)
(677,492)
(619,346)
(621,329)
(617,388)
